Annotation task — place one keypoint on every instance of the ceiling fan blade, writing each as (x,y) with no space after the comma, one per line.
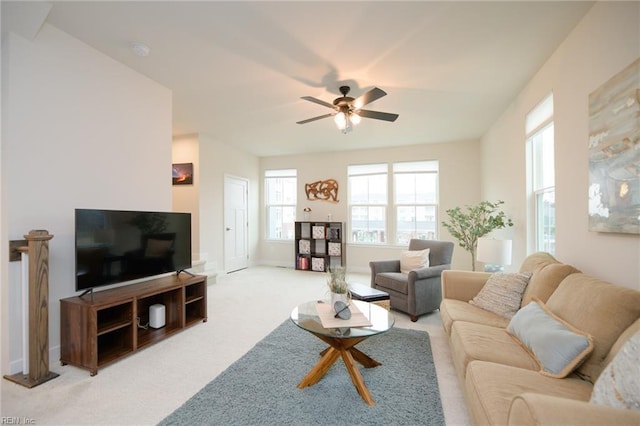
(318,101)
(308,120)
(377,115)
(369,97)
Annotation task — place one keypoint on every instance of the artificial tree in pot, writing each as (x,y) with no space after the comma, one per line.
(468,224)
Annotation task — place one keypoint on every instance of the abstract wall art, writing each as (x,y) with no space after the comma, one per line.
(614,154)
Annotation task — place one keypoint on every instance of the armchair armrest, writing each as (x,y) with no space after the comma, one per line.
(428,272)
(462,285)
(538,409)
(379,266)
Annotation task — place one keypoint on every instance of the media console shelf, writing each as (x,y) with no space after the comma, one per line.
(103,327)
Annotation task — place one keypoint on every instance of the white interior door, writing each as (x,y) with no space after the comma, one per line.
(236,223)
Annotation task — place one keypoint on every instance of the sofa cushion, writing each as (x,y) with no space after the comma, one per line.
(413,259)
(396,281)
(530,408)
(490,389)
(545,280)
(619,384)
(536,261)
(502,294)
(598,308)
(470,342)
(556,345)
(456,310)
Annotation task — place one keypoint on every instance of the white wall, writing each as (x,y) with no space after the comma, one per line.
(216,161)
(459,185)
(602,44)
(186,197)
(79,130)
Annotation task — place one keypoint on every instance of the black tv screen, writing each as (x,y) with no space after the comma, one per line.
(115,246)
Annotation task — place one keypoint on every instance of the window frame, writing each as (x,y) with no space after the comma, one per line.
(358,171)
(424,167)
(392,205)
(542,243)
(273,174)
(538,121)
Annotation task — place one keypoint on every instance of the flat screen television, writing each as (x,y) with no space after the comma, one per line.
(115,246)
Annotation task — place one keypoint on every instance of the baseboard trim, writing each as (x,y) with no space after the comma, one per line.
(15,366)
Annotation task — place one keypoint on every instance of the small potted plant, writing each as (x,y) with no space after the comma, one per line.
(338,286)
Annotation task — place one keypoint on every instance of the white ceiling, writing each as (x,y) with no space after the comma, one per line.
(237,70)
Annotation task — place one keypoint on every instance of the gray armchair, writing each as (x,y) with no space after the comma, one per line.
(419,291)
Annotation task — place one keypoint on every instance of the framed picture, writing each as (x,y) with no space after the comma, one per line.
(182,174)
(614,145)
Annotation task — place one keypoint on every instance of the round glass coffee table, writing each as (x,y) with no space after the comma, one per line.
(342,342)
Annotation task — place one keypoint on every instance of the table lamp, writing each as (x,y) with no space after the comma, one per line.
(495,254)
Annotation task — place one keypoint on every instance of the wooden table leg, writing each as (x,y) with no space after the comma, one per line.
(342,348)
(364,359)
(361,357)
(356,377)
(321,368)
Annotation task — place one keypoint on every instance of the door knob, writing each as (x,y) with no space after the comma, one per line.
(229,229)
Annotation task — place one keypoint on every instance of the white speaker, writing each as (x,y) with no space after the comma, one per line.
(156,316)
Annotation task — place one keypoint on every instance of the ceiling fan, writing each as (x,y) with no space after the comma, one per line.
(347,110)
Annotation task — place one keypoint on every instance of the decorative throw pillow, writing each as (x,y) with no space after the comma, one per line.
(619,384)
(413,259)
(556,345)
(502,293)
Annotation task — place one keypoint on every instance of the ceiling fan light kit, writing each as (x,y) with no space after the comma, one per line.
(340,119)
(346,120)
(347,110)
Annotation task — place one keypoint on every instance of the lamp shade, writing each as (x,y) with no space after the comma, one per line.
(497,252)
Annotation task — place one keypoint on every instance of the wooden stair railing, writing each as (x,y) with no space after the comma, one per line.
(38,250)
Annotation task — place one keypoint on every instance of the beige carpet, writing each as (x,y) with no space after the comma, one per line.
(144,388)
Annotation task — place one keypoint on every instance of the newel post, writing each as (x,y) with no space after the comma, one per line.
(38,250)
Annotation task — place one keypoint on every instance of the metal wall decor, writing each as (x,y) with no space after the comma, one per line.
(323,190)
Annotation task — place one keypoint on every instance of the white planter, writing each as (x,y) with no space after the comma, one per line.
(342,297)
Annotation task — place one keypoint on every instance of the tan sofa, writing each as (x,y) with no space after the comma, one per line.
(501,381)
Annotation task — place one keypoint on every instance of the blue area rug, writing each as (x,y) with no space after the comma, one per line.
(260,388)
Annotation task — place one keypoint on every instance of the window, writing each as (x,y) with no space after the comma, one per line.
(368,203)
(540,144)
(415,200)
(281,197)
(413,196)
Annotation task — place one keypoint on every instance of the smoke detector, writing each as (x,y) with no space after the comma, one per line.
(140,49)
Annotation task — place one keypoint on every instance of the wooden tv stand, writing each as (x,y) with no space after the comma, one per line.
(102,327)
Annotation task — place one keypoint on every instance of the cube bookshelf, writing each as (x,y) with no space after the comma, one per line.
(319,246)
